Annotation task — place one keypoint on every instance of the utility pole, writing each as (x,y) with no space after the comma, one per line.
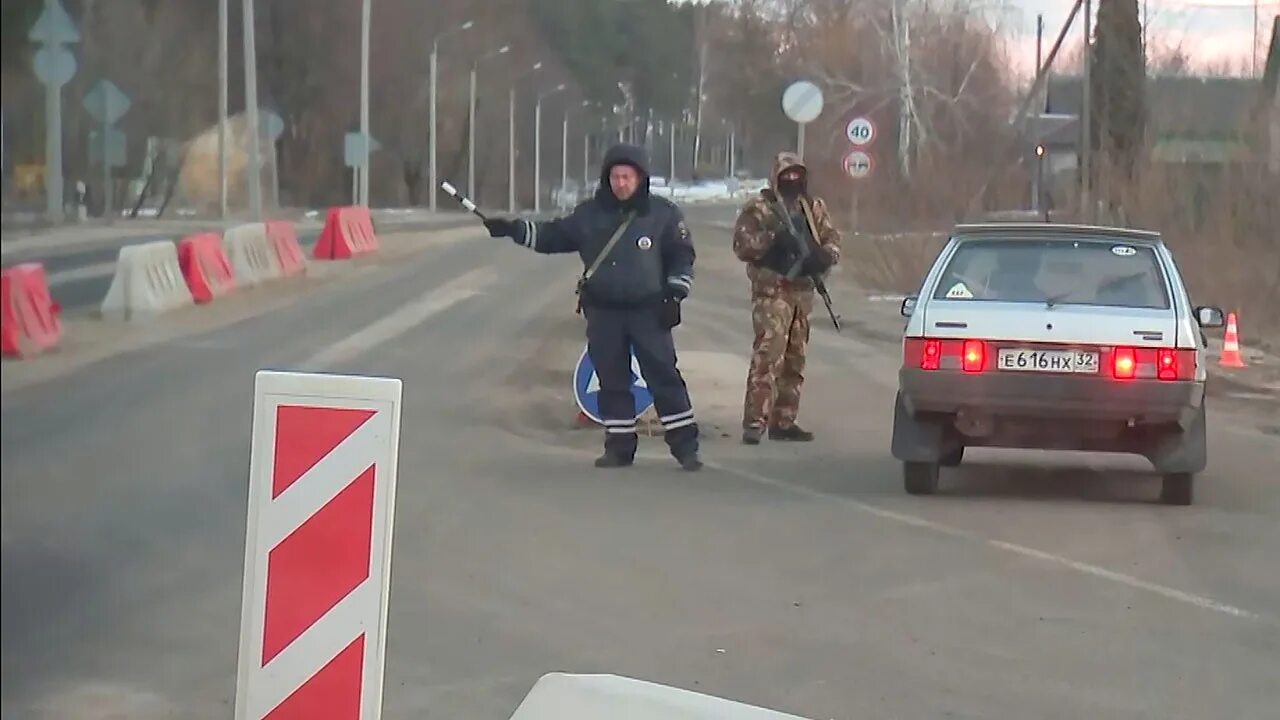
(1086,120)
(251,113)
(537,147)
(1040,50)
(223,23)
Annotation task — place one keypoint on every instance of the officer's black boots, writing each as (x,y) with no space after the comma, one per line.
(794,433)
(612,460)
(692,463)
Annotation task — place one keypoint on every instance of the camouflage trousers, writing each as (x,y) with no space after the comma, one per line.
(776,373)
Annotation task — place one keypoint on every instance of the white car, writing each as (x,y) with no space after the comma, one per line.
(1053,337)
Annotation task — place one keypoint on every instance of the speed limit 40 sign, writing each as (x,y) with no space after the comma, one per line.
(860,131)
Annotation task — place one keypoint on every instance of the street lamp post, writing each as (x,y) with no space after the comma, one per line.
(435,52)
(537,146)
(471,123)
(511,137)
(564,145)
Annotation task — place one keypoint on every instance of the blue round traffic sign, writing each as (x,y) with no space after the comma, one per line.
(586,388)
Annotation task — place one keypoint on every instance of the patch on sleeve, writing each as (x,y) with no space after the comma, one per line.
(959,292)
(683,229)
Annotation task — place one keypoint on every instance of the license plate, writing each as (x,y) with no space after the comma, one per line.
(1047,361)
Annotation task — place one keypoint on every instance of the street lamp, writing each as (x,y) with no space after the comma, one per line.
(564,144)
(471,128)
(435,51)
(511,136)
(537,147)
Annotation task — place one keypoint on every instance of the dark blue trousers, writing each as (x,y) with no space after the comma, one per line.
(612,334)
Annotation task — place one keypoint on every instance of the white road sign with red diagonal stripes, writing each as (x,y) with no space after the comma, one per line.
(318,546)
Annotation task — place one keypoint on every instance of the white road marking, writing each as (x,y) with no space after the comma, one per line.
(1102,573)
(403,319)
(101,269)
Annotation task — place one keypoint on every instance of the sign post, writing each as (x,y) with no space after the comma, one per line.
(858,164)
(860,131)
(586,388)
(107,104)
(322,488)
(54,66)
(802,102)
(356,154)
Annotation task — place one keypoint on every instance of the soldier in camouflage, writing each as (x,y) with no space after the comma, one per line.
(781,294)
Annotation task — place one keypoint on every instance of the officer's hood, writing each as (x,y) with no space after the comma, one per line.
(624,154)
(784,161)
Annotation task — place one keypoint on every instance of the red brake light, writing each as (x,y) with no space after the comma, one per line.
(1124,363)
(975,356)
(1167,365)
(932,357)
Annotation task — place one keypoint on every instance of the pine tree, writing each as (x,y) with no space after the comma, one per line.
(1118,95)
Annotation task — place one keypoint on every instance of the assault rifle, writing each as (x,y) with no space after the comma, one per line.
(801,254)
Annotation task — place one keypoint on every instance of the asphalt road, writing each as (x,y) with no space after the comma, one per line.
(794,577)
(80,276)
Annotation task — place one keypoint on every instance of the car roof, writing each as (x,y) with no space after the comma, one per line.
(1053,231)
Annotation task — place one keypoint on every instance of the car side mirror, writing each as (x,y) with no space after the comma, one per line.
(1210,317)
(908,306)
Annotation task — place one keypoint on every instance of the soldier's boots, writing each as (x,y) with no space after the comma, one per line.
(793,433)
(752,435)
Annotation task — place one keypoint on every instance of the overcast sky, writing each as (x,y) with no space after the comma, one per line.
(1209,30)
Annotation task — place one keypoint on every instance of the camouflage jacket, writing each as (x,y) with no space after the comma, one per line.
(757,223)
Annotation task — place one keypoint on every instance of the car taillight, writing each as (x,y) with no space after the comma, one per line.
(975,356)
(931,359)
(1167,364)
(1124,363)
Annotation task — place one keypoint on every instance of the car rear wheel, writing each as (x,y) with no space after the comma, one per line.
(920,478)
(1176,489)
(953,458)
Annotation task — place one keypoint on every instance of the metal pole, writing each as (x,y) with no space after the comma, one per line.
(1039,50)
(223,23)
(537,157)
(364,103)
(471,139)
(586,161)
(671,181)
(53,139)
(1086,117)
(511,151)
(732,150)
(251,113)
(106,172)
(432,189)
(564,154)
(800,140)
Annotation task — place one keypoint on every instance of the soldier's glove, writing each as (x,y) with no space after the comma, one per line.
(500,227)
(678,287)
(817,263)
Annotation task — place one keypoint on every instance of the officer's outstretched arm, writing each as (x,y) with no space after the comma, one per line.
(678,255)
(551,236)
(751,237)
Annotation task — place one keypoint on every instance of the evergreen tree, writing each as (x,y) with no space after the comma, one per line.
(1118,93)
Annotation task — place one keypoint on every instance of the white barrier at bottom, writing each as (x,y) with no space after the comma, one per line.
(148,282)
(251,255)
(563,696)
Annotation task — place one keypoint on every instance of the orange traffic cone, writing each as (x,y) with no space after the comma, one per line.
(1231,345)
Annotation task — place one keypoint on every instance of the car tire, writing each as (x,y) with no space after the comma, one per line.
(953,458)
(1176,488)
(920,478)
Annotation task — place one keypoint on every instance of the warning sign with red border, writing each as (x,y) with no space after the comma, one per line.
(318,546)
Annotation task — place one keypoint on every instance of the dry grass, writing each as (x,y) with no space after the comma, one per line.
(1223,226)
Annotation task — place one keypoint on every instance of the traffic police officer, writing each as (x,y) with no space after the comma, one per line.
(638,260)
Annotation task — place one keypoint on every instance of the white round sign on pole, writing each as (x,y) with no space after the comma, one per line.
(860,131)
(858,164)
(802,102)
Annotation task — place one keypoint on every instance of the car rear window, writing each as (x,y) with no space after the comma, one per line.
(1061,272)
